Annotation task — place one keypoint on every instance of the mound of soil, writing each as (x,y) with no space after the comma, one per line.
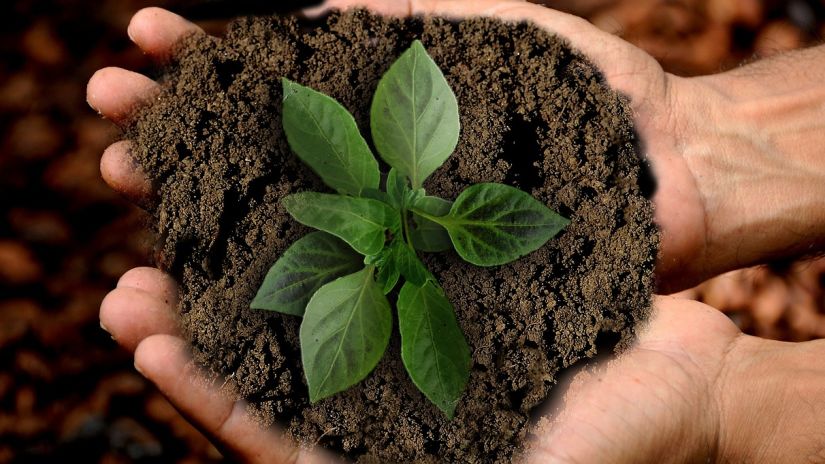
(534,114)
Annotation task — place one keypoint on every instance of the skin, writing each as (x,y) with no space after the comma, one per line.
(739,164)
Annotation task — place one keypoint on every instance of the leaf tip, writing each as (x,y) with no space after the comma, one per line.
(313,396)
(448,408)
(288,87)
(260,303)
(289,200)
(316,392)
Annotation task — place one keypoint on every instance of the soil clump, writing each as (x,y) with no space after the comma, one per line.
(535,114)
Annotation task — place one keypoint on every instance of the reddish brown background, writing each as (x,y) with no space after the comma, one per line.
(67,392)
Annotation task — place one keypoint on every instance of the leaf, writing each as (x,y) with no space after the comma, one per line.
(432,345)
(325,136)
(434,206)
(361,222)
(388,274)
(414,116)
(309,263)
(428,235)
(376,194)
(387,277)
(412,196)
(493,224)
(396,188)
(409,266)
(397,260)
(344,333)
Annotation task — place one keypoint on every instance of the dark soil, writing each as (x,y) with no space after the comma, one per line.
(534,114)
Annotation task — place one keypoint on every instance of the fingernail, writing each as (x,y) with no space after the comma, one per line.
(105,329)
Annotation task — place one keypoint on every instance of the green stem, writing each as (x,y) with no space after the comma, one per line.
(440,220)
(406,228)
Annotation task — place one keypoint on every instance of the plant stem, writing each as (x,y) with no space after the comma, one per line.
(406,228)
(436,219)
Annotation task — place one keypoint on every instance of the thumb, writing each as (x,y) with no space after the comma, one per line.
(651,404)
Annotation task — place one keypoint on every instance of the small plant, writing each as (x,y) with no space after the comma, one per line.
(338,278)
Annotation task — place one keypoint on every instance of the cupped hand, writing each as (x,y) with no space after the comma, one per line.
(692,389)
(675,395)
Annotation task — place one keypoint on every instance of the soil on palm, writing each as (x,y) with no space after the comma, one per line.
(534,113)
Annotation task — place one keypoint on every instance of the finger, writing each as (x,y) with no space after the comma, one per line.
(115,92)
(130,315)
(153,281)
(120,170)
(165,361)
(156,31)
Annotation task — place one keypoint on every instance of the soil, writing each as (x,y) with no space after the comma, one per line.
(534,113)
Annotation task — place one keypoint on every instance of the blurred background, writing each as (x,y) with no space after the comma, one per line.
(67,392)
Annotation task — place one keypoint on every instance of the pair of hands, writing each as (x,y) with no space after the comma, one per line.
(692,387)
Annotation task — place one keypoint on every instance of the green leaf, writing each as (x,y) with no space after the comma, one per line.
(432,345)
(376,194)
(387,277)
(309,263)
(396,188)
(399,260)
(412,196)
(388,274)
(428,235)
(433,206)
(325,136)
(493,224)
(344,333)
(361,222)
(414,116)
(409,266)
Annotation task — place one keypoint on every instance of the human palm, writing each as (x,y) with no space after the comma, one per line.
(665,399)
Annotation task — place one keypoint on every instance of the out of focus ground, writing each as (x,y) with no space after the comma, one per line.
(67,392)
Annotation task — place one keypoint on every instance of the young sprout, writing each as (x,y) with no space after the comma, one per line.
(338,278)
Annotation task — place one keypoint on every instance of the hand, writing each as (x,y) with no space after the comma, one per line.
(693,388)
(689,357)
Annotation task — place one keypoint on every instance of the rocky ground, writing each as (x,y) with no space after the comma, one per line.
(66,390)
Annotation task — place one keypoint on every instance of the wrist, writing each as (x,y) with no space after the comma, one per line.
(770,403)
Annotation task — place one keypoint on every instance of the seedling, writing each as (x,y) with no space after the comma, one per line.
(338,278)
